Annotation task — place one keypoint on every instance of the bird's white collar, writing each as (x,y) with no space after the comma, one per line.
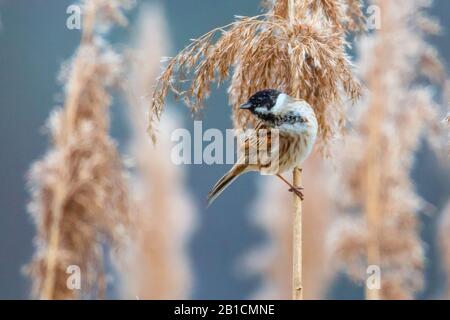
(281,101)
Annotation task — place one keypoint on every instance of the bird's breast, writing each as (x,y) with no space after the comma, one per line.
(294,148)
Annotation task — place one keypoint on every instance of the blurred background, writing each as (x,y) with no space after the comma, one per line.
(34,42)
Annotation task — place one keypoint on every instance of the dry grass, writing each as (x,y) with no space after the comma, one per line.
(447,121)
(378,156)
(79,194)
(158,265)
(444,241)
(272,213)
(305,58)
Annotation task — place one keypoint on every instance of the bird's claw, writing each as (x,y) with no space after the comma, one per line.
(298,192)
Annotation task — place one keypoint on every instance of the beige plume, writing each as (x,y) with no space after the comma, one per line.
(158,266)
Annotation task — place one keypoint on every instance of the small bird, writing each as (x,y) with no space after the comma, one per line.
(296,125)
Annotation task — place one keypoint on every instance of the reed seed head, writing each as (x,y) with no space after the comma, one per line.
(79,193)
(304,56)
(376,161)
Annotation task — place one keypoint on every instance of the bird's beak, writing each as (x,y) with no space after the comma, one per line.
(246,106)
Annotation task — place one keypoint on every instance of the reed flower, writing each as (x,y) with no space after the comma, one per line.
(158,266)
(301,56)
(378,155)
(79,193)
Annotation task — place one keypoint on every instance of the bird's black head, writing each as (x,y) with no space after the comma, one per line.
(262,100)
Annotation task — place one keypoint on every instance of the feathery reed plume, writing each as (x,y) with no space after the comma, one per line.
(262,50)
(79,194)
(298,47)
(444,240)
(273,214)
(377,158)
(158,267)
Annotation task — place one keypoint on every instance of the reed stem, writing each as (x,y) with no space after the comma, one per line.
(297,257)
(70,107)
(297,241)
(48,288)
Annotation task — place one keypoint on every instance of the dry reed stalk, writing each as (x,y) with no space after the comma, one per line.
(297,229)
(447,121)
(79,194)
(271,212)
(298,47)
(444,240)
(378,156)
(159,267)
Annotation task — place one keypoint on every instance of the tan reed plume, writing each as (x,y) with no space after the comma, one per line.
(79,193)
(262,50)
(377,158)
(158,265)
(298,47)
(272,212)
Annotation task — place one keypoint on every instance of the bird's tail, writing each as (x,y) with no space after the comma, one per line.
(224,182)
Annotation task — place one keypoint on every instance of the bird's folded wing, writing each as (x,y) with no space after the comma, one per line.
(258,146)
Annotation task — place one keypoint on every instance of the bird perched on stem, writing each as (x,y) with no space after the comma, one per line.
(281,141)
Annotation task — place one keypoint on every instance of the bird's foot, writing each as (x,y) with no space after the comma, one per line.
(298,192)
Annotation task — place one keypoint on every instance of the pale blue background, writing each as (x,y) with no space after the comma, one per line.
(33,44)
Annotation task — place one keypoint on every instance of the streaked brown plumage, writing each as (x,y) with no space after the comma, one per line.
(286,132)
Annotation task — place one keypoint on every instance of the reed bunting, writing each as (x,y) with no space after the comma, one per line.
(296,131)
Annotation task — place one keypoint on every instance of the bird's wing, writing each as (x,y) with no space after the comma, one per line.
(258,145)
(255,156)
